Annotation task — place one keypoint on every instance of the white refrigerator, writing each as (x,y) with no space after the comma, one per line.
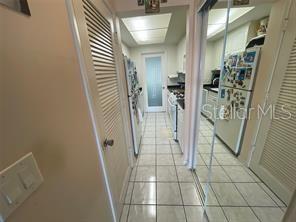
(238,78)
(134,97)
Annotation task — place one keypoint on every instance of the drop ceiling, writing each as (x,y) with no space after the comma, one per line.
(151,29)
(238,17)
(168,27)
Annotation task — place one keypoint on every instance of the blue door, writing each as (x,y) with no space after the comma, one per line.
(154,83)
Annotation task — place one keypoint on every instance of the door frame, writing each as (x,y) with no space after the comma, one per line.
(86,67)
(162,55)
(287,40)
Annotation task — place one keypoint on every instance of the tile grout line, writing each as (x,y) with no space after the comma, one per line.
(155,171)
(178,182)
(136,170)
(237,190)
(262,182)
(223,211)
(210,186)
(258,183)
(254,182)
(247,169)
(222,166)
(247,202)
(192,205)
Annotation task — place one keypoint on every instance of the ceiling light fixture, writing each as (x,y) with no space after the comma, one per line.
(150,29)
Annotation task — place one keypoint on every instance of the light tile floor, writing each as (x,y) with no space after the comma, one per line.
(162,189)
(234,188)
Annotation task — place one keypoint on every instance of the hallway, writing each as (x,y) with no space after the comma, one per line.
(162,189)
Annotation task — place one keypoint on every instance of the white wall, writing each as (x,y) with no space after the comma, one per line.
(44,111)
(1,86)
(125,50)
(236,42)
(181,51)
(210,54)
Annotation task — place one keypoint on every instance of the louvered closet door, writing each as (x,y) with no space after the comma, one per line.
(95,28)
(274,159)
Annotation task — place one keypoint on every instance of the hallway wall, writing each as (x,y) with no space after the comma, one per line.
(126,50)
(45,112)
(181,51)
(1,87)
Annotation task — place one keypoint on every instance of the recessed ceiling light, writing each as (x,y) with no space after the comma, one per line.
(148,36)
(148,29)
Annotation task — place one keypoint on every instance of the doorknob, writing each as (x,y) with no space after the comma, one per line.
(108,143)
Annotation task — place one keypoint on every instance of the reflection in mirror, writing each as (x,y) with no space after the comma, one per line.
(17,5)
(235,186)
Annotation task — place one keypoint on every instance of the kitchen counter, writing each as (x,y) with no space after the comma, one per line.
(211,88)
(175,87)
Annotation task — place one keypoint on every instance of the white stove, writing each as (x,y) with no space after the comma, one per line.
(172,108)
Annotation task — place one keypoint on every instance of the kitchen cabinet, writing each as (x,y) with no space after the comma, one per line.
(180,125)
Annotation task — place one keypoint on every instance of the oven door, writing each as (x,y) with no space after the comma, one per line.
(172,111)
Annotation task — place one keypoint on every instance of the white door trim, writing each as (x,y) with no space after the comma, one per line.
(286,41)
(90,101)
(164,81)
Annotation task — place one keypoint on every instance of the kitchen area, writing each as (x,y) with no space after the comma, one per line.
(245,37)
(247,32)
(160,64)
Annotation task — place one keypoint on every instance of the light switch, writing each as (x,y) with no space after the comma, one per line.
(11,190)
(27,178)
(17,182)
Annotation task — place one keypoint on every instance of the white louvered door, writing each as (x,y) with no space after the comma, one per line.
(95,30)
(274,160)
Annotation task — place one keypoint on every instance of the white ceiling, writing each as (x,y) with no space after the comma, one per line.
(176,29)
(258,12)
(143,28)
(217,18)
(151,29)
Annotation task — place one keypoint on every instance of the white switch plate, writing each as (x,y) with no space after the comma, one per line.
(17,183)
